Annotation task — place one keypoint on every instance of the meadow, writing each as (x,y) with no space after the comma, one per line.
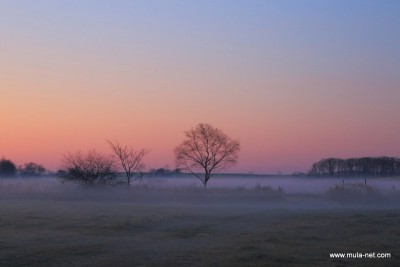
(46,223)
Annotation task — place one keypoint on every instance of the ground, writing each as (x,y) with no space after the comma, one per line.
(193,229)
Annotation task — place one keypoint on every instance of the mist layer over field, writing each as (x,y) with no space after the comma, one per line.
(290,184)
(237,221)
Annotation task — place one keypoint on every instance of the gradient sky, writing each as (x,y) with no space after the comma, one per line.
(294,81)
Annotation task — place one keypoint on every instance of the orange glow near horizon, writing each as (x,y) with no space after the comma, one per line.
(290,95)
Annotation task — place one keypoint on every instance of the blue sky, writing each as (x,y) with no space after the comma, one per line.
(295,81)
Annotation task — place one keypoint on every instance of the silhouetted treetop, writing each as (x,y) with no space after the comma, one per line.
(31,169)
(91,168)
(129,159)
(7,167)
(366,166)
(207,150)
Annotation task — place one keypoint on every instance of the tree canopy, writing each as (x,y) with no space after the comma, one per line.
(7,167)
(91,168)
(129,159)
(366,166)
(31,169)
(206,150)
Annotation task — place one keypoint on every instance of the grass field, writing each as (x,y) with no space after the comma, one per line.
(193,228)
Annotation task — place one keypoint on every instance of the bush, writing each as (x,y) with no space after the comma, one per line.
(7,167)
(92,168)
(354,192)
(31,169)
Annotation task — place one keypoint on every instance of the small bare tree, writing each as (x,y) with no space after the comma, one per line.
(208,150)
(131,160)
(92,168)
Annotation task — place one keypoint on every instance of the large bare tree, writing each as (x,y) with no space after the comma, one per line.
(130,160)
(206,150)
(91,168)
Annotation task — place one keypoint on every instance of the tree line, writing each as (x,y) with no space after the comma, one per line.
(365,166)
(204,151)
(8,168)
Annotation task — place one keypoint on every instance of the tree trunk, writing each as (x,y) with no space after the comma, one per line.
(206,178)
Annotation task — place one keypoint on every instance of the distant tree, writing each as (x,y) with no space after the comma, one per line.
(31,169)
(161,172)
(177,171)
(165,172)
(7,167)
(92,168)
(130,160)
(366,166)
(207,150)
(61,173)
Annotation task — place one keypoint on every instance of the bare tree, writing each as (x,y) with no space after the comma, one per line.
(206,149)
(92,168)
(130,160)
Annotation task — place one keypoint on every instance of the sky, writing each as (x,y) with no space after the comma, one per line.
(293,81)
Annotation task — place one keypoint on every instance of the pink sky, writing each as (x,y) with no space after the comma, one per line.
(291,95)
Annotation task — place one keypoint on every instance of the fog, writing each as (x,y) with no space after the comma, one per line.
(290,184)
(174,221)
(233,190)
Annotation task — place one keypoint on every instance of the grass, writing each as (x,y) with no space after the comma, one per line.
(359,192)
(259,227)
